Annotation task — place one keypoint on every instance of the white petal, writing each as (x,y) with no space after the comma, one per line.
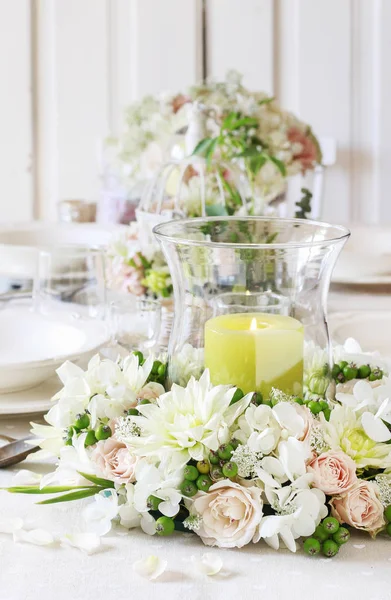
(10,525)
(25,477)
(150,567)
(288,539)
(40,537)
(148,524)
(208,564)
(86,542)
(375,428)
(363,391)
(168,509)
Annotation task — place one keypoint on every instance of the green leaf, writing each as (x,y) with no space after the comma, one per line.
(256,163)
(244,122)
(202,146)
(216,210)
(91,491)
(209,152)
(279,164)
(105,483)
(50,489)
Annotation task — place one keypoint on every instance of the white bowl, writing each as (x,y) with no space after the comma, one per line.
(33,346)
(19,244)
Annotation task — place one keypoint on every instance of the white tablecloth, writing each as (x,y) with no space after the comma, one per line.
(27,572)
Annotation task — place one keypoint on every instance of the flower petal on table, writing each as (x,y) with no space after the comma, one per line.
(10,525)
(86,542)
(151,567)
(209,563)
(26,477)
(39,537)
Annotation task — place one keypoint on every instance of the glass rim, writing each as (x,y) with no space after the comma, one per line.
(164,236)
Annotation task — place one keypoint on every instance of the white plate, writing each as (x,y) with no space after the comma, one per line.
(366,258)
(33,346)
(34,401)
(19,243)
(370,328)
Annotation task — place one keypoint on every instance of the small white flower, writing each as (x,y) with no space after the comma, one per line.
(151,567)
(99,514)
(209,563)
(10,525)
(25,477)
(86,542)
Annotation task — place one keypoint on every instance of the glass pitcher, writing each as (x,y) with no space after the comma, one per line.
(250,300)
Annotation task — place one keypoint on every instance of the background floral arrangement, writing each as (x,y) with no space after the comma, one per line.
(233,469)
(241,128)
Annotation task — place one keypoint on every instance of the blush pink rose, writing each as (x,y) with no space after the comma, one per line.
(230,514)
(334,472)
(151,391)
(360,507)
(308,153)
(308,419)
(114,461)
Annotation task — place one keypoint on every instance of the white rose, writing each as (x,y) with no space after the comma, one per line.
(230,514)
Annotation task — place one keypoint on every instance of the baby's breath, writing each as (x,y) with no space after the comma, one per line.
(279,396)
(317,441)
(246,460)
(126,428)
(384,483)
(287,509)
(193,522)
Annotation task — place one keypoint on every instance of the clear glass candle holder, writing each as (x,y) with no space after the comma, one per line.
(250,298)
(136,327)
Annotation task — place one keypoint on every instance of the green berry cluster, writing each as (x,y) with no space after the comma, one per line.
(344,371)
(328,537)
(158,371)
(387,514)
(82,424)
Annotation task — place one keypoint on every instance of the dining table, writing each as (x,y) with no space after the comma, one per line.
(362,569)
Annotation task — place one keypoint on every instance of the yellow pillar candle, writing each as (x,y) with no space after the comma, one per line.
(255,352)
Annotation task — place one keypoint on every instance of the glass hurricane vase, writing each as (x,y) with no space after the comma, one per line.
(250,301)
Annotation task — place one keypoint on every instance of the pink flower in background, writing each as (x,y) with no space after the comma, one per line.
(178,101)
(334,472)
(132,280)
(360,507)
(115,461)
(308,154)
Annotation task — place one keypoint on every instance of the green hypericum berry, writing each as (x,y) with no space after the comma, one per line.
(268,403)
(153,502)
(375,374)
(203,467)
(188,488)
(324,405)
(330,524)
(343,364)
(321,534)
(230,469)
(335,371)
(155,366)
(364,371)
(225,451)
(350,372)
(144,401)
(330,548)
(299,401)
(238,395)
(341,536)
(82,421)
(165,526)
(387,513)
(103,432)
(190,473)
(216,473)
(311,546)
(204,482)
(315,407)
(234,443)
(213,458)
(161,370)
(140,356)
(388,528)
(340,378)
(257,398)
(90,438)
(327,414)
(133,412)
